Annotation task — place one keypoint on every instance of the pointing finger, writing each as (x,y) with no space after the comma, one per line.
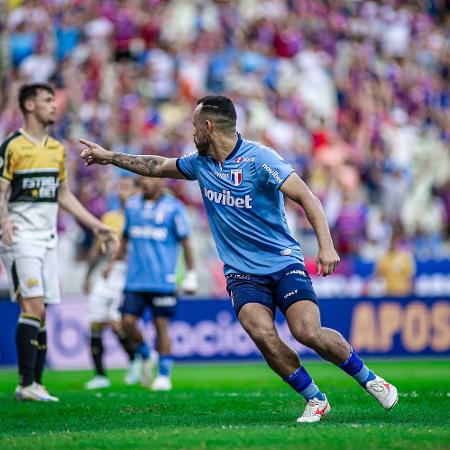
(87,143)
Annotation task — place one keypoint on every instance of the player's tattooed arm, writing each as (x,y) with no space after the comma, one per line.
(6,225)
(146,165)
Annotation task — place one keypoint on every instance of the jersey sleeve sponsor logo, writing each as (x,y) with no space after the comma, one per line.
(225,198)
(272,172)
(236,176)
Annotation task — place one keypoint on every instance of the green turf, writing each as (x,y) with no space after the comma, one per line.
(232,406)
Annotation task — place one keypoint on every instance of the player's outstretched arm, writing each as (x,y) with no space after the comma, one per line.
(146,165)
(299,192)
(70,203)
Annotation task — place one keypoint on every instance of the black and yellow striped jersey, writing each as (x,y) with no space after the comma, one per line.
(34,171)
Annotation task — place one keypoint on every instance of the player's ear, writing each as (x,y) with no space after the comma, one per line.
(208,126)
(29,105)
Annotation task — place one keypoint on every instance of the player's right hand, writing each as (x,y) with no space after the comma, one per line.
(94,154)
(327,260)
(8,229)
(107,237)
(87,286)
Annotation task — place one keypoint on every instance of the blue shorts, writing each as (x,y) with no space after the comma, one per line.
(162,304)
(280,289)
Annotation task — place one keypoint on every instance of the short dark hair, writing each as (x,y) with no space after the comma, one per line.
(221,108)
(28,91)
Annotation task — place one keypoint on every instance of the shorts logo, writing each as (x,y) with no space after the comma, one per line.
(236,176)
(289,294)
(239,276)
(286,252)
(32,282)
(297,272)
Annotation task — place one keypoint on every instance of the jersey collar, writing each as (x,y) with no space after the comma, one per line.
(34,141)
(236,148)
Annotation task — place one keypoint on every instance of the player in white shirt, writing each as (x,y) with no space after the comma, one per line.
(105,296)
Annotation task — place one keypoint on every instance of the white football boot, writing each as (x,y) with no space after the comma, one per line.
(98,382)
(34,392)
(44,392)
(148,368)
(315,410)
(162,383)
(385,393)
(133,374)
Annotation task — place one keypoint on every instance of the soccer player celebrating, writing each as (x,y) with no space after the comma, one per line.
(33,181)
(105,297)
(156,226)
(242,184)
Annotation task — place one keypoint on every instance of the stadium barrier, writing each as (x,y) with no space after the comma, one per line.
(207,330)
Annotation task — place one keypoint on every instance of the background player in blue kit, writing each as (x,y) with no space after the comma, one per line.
(242,185)
(156,226)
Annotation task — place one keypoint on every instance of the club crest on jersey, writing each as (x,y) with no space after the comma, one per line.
(236,176)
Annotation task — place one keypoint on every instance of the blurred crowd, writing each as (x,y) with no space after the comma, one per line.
(355,94)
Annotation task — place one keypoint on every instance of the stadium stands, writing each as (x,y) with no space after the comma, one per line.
(355,94)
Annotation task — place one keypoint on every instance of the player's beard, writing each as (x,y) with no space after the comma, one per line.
(202,146)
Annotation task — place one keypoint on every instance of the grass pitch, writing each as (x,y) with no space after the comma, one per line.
(231,406)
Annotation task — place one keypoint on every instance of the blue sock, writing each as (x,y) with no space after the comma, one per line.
(165,365)
(302,382)
(143,350)
(355,367)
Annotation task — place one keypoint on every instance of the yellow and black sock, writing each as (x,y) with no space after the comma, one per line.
(27,347)
(41,354)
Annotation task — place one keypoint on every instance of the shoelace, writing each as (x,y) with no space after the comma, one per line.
(379,387)
(311,407)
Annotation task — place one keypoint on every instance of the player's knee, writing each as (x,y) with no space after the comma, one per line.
(265,338)
(308,336)
(128,322)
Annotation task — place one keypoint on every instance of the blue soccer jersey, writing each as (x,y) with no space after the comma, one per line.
(245,207)
(154,230)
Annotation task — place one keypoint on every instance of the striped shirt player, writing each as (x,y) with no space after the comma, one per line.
(34,170)
(33,181)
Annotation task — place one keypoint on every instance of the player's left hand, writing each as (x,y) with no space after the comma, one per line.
(327,260)
(190,283)
(107,237)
